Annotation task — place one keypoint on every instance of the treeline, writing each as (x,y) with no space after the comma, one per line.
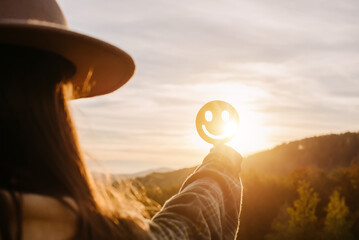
(301,204)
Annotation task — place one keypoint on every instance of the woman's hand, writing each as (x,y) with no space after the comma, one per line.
(228,156)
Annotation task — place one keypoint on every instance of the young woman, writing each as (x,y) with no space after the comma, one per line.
(45,189)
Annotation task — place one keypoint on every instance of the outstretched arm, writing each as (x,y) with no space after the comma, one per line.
(208,204)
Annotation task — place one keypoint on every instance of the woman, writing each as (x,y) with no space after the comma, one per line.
(45,189)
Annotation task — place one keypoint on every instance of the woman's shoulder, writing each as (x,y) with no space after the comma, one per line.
(44,217)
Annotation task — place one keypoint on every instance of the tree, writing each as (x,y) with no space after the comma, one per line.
(301,218)
(337,225)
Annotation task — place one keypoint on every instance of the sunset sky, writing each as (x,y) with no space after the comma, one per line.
(289,67)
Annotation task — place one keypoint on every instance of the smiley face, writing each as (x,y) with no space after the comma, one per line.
(217,122)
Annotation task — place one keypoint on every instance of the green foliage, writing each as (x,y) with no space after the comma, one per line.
(302,220)
(337,225)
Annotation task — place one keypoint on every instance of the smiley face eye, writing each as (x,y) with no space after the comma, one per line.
(208,115)
(225,116)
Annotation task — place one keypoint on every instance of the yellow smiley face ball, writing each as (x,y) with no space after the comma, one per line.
(217,122)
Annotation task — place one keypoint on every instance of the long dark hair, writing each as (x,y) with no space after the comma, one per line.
(40,152)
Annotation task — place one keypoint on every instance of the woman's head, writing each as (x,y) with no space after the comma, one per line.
(36,128)
(40,153)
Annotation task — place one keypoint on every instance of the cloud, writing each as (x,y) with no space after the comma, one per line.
(290,65)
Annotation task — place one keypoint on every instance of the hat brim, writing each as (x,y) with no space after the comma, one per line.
(101,68)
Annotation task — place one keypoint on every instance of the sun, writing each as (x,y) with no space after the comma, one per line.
(229,128)
(252,133)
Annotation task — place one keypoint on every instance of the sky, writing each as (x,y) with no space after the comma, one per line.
(290,68)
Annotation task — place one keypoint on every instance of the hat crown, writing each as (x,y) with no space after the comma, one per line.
(32,10)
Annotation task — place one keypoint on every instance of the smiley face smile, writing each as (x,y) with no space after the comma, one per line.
(220,137)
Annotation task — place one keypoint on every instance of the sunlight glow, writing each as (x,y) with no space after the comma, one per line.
(230,128)
(251,135)
(225,115)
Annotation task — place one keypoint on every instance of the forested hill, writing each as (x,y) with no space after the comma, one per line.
(324,152)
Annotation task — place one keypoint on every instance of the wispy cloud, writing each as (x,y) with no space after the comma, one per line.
(290,65)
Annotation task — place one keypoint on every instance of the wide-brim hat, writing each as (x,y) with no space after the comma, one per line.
(101,68)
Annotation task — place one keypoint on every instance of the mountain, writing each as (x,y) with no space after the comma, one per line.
(145,172)
(166,179)
(324,152)
(104,177)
